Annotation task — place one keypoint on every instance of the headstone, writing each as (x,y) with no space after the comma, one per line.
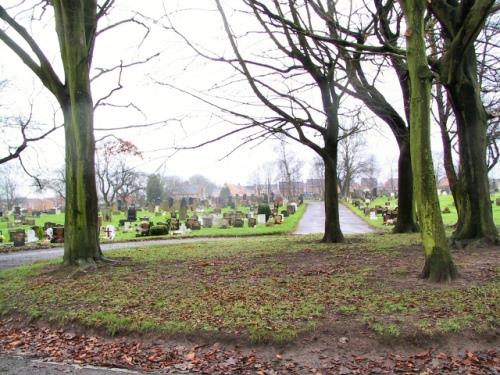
(58,235)
(373,215)
(207,222)
(18,237)
(132,214)
(196,225)
(261,219)
(1,213)
(126,227)
(49,233)
(238,223)
(183,213)
(17,210)
(110,232)
(31,236)
(278,219)
(252,222)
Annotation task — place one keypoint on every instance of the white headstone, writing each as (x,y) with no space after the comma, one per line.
(373,215)
(49,233)
(261,219)
(110,232)
(126,227)
(31,236)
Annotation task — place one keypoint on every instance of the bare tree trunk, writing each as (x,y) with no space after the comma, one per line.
(438,262)
(75,26)
(333,233)
(473,201)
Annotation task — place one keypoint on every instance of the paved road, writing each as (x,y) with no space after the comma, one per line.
(313,221)
(24,365)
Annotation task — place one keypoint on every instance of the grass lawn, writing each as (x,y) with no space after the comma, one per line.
(445,201)
(265,289)
(289,224)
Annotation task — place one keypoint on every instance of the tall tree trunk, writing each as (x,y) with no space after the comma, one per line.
(473,200)
(406,208)
(438,262)
(333,233)
(75,26)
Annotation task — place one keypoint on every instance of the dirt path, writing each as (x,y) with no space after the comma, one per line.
(313,221)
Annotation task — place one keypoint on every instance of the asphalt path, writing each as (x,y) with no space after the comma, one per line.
(312,222)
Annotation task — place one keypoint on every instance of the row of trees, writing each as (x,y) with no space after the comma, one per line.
(316,56)
(334,50)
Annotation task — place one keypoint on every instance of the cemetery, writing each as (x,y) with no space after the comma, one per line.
(174,178)
(174,218)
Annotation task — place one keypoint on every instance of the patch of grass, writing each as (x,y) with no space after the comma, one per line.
(387,330)
(269,288)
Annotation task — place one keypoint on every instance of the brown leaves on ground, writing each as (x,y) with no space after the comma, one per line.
(65,346)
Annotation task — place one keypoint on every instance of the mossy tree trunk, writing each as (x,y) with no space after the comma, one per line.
(438,261)
(474,205)
(76,22)
(461,22)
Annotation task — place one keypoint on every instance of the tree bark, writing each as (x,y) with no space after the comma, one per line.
(406,208)
(473,196)
(438,261)
(333,233)
(76,23)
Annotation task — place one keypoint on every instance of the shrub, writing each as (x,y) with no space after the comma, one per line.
(264,209)
(158,230)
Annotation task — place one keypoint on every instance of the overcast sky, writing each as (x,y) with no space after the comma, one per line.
(189,120)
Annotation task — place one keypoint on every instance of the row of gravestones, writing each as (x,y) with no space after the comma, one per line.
(389,215)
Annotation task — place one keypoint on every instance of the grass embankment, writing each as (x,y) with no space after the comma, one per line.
(264,289)
(289,224)
(445,201)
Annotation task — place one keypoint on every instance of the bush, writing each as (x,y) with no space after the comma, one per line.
(264,209)
(158,230)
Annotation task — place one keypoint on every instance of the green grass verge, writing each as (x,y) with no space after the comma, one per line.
(266,289)
(445,201)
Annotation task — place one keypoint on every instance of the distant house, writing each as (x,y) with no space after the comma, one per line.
(42,204)
(239,190)
(293,188)
(315,187)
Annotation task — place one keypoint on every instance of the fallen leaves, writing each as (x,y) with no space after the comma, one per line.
(59,345)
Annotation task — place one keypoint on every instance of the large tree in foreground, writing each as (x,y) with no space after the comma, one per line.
(438,262)
(76,26)
(461,23)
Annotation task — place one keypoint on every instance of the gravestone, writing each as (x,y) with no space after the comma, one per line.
(132,214)
(238,223)
(252,222)
(261,219)
(174,224)
(18,237)
(49,233)
(195,225)
(110,232)
(183,213)
(31,236)
(278,219)
(1,213)
(126,227)
(58,235)
(207,222)
(373,215)
(17,210)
